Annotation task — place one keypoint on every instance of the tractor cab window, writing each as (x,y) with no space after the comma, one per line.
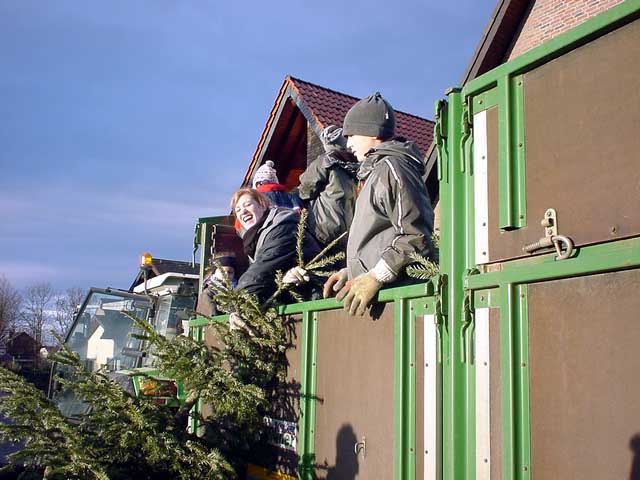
(101,332)
(167,318)
(100,335)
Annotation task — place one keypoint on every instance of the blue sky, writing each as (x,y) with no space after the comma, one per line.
(122,122)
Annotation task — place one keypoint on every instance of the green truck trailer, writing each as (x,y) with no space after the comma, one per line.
(520,359)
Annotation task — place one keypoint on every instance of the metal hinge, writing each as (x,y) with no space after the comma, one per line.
(466,140)
(468,319)
(439,134)
(439,282)
(438,317)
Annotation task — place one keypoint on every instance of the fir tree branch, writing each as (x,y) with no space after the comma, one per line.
(422,268)
(325,250)
(302,225)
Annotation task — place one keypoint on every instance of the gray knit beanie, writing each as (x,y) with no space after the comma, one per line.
(372,117)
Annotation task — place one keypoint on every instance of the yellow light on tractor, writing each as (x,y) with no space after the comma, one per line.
(146,260)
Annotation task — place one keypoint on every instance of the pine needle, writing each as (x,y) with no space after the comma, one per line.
(124,436)
(302,225)
(422,268)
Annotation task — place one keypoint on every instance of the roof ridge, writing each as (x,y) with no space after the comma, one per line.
(265,131)
(414,116)
(295,79)
(324,88)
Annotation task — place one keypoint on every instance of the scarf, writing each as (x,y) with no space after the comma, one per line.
(250,237)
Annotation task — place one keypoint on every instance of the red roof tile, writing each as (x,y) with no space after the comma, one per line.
(329,108)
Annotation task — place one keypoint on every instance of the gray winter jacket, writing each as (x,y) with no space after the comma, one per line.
(328,188)
(393,215)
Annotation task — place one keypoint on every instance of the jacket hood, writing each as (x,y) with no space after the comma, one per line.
(278,215)
(397,147)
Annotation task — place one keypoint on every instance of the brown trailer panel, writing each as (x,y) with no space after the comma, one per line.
(355,392)
(581,124)
(584,370)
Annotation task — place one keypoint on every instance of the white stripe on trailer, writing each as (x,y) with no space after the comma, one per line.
(480,187)
(483,397)
(432,401)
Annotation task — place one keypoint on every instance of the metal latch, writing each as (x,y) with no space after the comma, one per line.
(562,244)
(438,317)
(361,447)
(468,325)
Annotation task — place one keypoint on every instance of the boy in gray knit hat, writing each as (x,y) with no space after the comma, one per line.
(393,216)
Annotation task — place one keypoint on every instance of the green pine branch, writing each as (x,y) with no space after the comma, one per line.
(422,268)
(123,436)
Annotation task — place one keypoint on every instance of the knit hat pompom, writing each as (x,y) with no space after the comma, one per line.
(265,174)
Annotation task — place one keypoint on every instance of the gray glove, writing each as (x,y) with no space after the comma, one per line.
(335,283)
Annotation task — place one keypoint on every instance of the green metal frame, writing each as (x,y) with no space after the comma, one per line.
(454,262)
(308,391)
(409,303)
(464,286)
(599,258)
(503,87)
(470,286)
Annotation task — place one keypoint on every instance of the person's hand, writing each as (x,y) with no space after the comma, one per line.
(296,276)
(359,293)
(335,282)
(210,291)
(236,323)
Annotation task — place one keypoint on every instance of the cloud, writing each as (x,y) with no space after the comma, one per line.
(79,237)
(73,273)
(86,207)
(24,273)
(126,121)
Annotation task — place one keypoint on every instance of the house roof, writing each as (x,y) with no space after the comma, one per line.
(494,45)
(330,107)
(15,335)
(322,107)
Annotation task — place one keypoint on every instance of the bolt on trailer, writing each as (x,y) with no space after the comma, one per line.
(101,334)
(519,359)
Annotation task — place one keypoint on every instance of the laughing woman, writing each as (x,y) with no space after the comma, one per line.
(269,237)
